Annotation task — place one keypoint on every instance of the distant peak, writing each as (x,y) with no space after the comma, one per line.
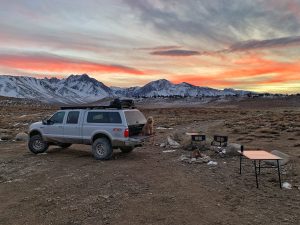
(83,77)
(161,81)
(164,80)
(79,76)
(186,84)
(53,79)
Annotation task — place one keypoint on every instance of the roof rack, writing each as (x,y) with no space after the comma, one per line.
(115,104)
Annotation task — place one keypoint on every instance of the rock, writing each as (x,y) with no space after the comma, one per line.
(21,137)
(213,163)
(164,128)
(173,143)
(4,130)
(5,137)
(184,158)
(285,158)
(199,160)
(168,151)
(162,145)
(193,160)
(182,138)
(287,185)
(206,159)
(216,149)
(232,149)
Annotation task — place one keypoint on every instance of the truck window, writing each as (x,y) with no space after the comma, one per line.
(57,117)
(134,117)
(104,117)
(73,117)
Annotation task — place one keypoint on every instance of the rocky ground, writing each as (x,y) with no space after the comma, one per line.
(152,185)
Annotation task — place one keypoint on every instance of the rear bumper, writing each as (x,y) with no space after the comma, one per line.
(134,141)
(130,142)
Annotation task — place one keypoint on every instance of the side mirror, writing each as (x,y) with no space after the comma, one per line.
(44,121)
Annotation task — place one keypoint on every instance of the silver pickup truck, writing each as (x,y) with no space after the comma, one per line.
(103,128)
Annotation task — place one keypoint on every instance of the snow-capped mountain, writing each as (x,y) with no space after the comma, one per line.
(166,88)
(77,89)
(124,92)
(74,89)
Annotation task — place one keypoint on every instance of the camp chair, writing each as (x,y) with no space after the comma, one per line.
(220,141)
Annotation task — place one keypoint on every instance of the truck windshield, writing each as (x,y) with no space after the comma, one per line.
(134,117)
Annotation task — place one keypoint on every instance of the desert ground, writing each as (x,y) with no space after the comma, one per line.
(150,186)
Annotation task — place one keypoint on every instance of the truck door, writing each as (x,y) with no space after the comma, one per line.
(54,130)
(72,127)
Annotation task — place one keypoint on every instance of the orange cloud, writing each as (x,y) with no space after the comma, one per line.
(203,80)
(51,63)
(251,69)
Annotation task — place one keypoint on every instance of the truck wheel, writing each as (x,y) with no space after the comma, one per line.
(126,149)
(102,149)
(64,145)
(36,144)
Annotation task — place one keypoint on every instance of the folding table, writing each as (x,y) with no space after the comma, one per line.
(260,155)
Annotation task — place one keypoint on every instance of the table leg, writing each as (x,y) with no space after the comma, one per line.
(255,169)
(241,163)
(259,167)
(278,168)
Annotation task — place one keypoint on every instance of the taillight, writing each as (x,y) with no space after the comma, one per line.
(126,132)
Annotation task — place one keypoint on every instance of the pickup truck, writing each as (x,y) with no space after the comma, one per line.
(104,129)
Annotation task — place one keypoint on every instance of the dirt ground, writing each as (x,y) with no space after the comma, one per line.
(148,186)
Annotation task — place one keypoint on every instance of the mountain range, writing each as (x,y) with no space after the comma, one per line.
(78,89)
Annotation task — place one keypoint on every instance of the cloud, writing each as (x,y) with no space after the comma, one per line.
(176,52)
(161,48)
(44,62)
(204,81)
(213,25)
(249,70)
(170,18)
(268,43)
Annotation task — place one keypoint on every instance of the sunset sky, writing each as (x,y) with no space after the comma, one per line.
(243,44)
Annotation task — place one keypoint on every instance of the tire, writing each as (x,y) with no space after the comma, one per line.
(36,144)
(64,145)
(126,149)
(102,149)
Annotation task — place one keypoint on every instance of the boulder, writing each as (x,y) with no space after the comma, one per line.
(172,143)
(285,158)
(182,138)
(21,137)
(287,185)
(4,130)
(184,158)
(232,149)
(205,159)
(162,145)
(5,137)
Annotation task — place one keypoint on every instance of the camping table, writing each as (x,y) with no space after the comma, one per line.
(259,155)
